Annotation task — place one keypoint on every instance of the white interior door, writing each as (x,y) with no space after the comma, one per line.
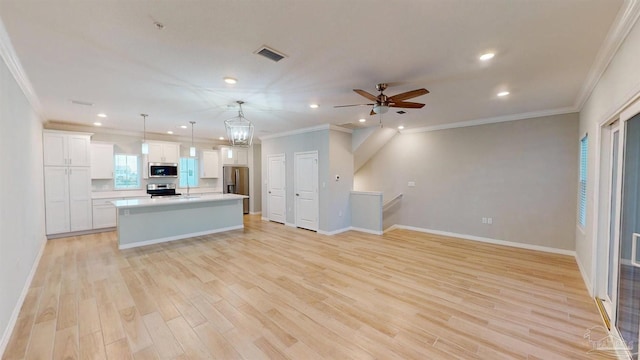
(306,189)
(276,198)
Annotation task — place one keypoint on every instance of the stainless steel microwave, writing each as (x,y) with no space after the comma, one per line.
(163,170)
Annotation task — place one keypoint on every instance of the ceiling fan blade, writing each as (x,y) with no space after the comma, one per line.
(408,95)
(407,105)
(340,106)
(366,94)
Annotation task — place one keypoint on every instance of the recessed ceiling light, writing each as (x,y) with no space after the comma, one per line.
(183,126)
(102,115)
(221,138)
(170,132)
(487,56)
(400,127)
(97,123)
(313,106)
(503,93)
(362,120)
(230,80)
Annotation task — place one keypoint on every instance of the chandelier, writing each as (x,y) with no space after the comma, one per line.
(239,129)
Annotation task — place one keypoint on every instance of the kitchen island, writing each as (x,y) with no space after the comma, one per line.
(151,221)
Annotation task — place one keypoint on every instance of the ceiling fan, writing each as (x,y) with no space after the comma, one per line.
(382,102)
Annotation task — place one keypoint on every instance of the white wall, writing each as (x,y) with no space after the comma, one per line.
(522,174)
(619,84)
(22,229)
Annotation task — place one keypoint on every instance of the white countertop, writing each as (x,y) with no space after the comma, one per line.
(193,198)
(121,194)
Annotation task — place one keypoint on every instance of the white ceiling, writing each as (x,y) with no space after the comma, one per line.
(109,53)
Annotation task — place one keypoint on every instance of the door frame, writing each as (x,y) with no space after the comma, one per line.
(602,202)
(284,158)
(295,187)
(603,259)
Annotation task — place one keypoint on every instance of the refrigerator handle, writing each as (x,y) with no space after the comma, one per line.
(237,181)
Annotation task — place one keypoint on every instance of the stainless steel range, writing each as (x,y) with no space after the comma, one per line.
(162,190)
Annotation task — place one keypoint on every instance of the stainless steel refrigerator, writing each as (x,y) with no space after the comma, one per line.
(236,181)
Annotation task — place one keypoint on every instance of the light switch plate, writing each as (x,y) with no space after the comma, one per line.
(411,184)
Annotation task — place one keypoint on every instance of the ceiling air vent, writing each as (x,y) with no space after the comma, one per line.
(270,54)
(401,112)
(80,102)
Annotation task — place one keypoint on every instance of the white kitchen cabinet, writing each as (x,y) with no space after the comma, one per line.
(66,148)
(163,152)
(210,164)
(67,199)
(101,161)
(235,156)
(104,213)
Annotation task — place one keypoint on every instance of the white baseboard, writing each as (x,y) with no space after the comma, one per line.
(390,228)
(487,240)
(178,237)
(368,231)
(16,310)
(255,212)
(264,218)
(290,224)
(334,232)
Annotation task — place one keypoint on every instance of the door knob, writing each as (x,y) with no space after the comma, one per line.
(269,192)
(297,194)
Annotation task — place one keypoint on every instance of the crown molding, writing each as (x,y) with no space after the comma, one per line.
(499,119)
(307,130)
(622,25)
(8,54)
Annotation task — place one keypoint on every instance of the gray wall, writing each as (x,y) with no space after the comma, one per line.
(340,163)
(310,141)
(22,233)
(334,158)
(255,159)
(523,174)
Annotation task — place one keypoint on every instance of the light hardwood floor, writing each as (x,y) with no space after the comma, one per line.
(271,291)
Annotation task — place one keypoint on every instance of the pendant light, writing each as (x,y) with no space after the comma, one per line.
(239,129)
(192,149)
(145,146)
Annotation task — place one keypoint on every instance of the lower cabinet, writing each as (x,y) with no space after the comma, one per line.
(104,213)
(67,199)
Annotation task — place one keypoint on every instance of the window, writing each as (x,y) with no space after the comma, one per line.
(127,172)
(188,172)
(582,194)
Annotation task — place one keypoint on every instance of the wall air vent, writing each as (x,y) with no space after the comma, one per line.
(270,53)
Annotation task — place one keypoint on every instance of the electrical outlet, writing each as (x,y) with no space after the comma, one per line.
(127,212)
(484,220)
(490,221)
(340,213)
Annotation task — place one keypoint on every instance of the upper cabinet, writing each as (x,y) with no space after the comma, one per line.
(164,152)
(235,156)
(210,167)
(101,161)
(66,149)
